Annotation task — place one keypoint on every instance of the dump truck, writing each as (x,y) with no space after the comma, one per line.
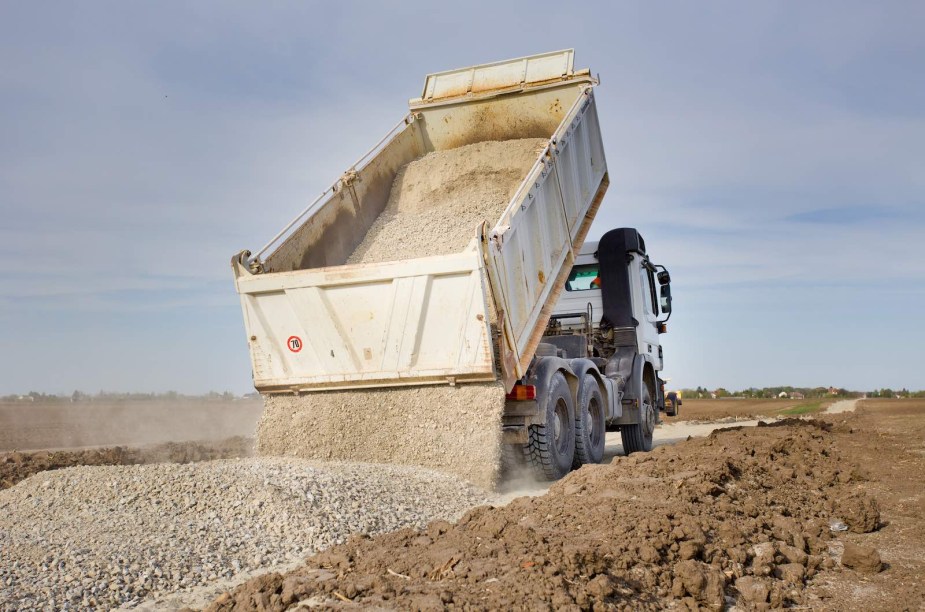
(380,360)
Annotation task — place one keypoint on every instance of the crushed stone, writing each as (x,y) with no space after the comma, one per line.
(438,200)
(99,537)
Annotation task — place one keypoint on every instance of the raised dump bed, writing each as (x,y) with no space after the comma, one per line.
(434,260)
(316,322)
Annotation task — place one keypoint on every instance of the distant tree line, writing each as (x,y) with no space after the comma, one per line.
(80,396)
(773,392)
(902,393)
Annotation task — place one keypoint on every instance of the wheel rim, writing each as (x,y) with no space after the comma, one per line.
(648,416)
(594,413)
(561,426)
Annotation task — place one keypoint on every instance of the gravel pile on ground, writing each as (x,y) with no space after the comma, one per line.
(437,201)
(451,429)
(100,537)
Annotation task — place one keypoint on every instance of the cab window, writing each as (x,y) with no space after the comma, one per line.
(583,278)
(650,300)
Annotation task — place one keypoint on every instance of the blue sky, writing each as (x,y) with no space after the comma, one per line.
(772,154)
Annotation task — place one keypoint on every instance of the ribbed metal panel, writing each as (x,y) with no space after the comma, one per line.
(624,336)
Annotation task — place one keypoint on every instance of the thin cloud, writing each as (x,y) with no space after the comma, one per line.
(843,216)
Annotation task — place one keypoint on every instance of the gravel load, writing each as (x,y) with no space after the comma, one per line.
(438,200)
(98,537)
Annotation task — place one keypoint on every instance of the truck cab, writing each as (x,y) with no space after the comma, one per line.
(597,367)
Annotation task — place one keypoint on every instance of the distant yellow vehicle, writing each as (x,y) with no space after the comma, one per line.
(672,403)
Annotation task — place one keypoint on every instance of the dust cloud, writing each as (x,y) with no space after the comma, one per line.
(65,425)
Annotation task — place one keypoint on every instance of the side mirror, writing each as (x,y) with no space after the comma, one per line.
(665,295)
(663,278)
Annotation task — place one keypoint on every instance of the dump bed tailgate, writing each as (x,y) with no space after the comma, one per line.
(409,322)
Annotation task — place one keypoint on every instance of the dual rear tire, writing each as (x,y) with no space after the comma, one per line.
(552,445)
(590,426)
(638,438)
(571,435)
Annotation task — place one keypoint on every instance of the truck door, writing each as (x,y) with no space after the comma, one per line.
(647,332)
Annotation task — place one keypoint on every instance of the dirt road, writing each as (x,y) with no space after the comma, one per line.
(842,406)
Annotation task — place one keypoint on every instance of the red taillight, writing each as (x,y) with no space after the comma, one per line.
(522,392)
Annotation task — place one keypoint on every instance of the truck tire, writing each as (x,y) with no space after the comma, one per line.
(638,438)
(589,423)
(552,445)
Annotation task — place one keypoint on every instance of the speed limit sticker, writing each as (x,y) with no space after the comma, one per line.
(294,343)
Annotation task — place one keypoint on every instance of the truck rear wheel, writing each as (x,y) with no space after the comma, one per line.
(552,445)
(638,438)
(589,423)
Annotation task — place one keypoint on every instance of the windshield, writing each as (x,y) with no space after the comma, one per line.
(582,278)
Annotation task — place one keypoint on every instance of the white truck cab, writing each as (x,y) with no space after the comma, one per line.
(597,367)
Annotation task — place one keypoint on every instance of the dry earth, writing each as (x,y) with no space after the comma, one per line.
(741,518)
(713,410)
(886,439)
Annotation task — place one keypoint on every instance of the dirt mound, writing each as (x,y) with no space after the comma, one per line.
(437,201)
(744,513)
(17,466)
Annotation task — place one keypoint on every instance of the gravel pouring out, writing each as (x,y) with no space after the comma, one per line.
(434,208)
(452,429)
(101,537)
